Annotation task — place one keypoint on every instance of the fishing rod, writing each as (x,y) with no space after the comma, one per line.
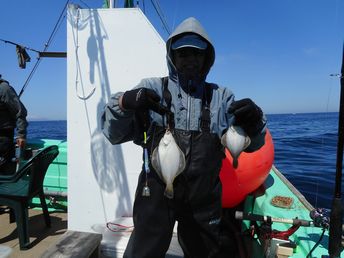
(335,246)
(320,218)
(256,217)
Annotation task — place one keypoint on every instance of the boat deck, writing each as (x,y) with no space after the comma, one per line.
(41,237)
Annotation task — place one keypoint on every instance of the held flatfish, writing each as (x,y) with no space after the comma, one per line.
(235,140)
(168,161)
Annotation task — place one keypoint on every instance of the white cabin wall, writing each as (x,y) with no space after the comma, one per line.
(109,50)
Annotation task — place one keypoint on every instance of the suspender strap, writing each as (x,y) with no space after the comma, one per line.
(207,95)
(166,94)
(205,119)
(205,116)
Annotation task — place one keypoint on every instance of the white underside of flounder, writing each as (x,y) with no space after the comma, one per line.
(235,140)
(168,161)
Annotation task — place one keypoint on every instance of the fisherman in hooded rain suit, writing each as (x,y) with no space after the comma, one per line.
(12,115)
(202,112)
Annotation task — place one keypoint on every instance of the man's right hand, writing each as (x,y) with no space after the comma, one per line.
(142,99)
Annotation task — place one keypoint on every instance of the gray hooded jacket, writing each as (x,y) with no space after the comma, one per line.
(119,126)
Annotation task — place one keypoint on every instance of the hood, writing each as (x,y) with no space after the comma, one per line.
(2,80)
(190,25)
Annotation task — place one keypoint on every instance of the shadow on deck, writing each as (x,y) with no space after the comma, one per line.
(41,237)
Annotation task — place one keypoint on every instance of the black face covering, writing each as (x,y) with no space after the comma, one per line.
(189,63)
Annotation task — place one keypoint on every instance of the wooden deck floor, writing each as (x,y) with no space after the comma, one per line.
(41,237)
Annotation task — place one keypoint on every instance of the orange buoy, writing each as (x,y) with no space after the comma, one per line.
(251,172)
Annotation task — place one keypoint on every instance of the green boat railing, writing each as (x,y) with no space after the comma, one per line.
(305,237)
(55,181)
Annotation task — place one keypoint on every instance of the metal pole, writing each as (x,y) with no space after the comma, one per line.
(335,242)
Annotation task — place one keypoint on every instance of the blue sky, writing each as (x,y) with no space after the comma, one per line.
(279,53)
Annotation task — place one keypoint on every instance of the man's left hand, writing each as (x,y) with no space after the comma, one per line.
(247,115)
(21,142)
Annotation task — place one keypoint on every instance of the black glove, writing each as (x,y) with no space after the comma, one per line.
(143,99)
(248,116)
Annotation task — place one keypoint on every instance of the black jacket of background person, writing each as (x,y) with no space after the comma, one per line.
(12,115)
(12,112)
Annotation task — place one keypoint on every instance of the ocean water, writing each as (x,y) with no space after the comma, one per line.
(47,130)
(305,150)
(306,153)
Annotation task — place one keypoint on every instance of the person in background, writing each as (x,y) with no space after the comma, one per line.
(198,113)
(12,116)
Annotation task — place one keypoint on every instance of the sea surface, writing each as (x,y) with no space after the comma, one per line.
(305,150)
(306,153)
